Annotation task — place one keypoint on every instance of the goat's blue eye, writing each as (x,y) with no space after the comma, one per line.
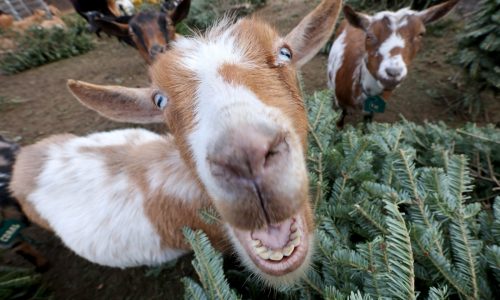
(285,54)
(160,100)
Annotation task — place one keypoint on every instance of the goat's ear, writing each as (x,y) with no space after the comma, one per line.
(180,12)
(312,33)
(131,105)
(436,12)
(112,27)
(355,19)
(112,7)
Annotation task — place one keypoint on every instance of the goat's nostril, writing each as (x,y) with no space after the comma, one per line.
(249,157)
(393,72)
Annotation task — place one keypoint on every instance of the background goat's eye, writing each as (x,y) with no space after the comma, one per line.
(285,54)
(160,100)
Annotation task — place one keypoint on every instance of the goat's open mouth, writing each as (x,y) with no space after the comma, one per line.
(278,249)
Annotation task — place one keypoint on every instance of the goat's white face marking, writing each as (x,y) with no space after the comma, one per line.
(392,67)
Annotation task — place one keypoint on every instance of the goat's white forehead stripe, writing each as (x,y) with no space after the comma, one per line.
(397,19)
(397,15)
(394,41)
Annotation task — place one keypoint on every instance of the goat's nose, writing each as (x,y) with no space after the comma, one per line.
(155,50)
(247,153)
(394,72)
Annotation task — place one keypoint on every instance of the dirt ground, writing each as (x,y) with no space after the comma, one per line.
(36,103)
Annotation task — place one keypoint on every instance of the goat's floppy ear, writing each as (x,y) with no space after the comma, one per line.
(358,20)
(312,33)
(179,10)
(112,7)
(131,105)
(436,12)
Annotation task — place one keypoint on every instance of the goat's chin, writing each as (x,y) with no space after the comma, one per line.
(280,254)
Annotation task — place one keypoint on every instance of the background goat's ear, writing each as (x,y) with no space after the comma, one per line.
(180,12)
(436,12)
(312,33)
(132,105)
(358,20)
(112,27)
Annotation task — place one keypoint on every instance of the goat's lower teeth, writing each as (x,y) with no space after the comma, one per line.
(276,255)
(293,228)
(288,250)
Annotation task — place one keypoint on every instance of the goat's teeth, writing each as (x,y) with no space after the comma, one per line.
(260,250)
(294,235)
(276,255)
(255,243)
(287,251)
(265,255)
(295,242)
(293,228)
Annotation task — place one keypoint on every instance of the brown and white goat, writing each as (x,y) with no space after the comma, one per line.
(238,141)
(371,54)
(149,31)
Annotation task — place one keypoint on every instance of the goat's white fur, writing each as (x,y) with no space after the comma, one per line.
(74,181)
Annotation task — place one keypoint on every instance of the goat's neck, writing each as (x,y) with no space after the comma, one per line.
(369,85)
(176,197)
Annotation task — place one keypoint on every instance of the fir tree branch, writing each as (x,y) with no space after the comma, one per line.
(372,221)
(318,115)
(441,263)
(402,282)
(373,271)
(484,139)
(316,138)
(319,184)
(470,259)
(313,286)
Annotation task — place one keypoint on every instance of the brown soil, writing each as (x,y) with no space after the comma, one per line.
(36,103)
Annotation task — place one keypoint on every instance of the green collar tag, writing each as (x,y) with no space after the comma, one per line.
(9,231)
(374,104)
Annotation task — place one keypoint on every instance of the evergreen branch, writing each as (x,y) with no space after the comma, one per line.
(482,138)
(441,263)
(208,266)
(192,290)
(402,282)
(466,261)
(406,175)
(438,293)
(209,215)
(351,258)
(492,256)
(313,286)
(492,171)
(374,273)
(319,184)
(318,115)
(316,138)
(371,219)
